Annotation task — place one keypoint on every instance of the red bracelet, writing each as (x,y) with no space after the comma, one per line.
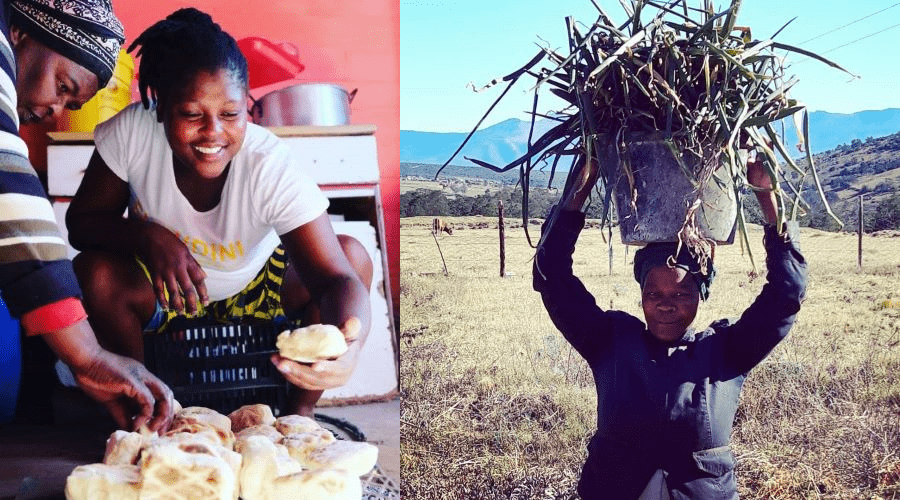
(53,317)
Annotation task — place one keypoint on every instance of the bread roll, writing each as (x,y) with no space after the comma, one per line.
(204,415)
(312,343)
(169,473)
(354,457)
(197,419)
(250,415)
(258,430)
(257,453)
(263,461)
(295,424)
(302,444)
(103,482)
(317,485)
(202,444)
(123,448)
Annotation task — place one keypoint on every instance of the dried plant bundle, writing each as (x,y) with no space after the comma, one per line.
(688,76)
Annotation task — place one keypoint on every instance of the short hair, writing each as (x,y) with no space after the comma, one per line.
(175,49)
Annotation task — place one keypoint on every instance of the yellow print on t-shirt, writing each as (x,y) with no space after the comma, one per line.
(214,251)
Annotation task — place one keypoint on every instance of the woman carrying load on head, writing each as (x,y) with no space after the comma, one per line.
(667,393)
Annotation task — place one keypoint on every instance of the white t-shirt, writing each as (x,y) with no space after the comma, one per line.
(266,195)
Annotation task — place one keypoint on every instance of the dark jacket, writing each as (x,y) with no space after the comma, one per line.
(665,406)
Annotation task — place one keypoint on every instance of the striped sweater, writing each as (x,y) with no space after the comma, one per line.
(35,273)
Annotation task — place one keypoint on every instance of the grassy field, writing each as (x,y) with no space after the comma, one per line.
(497,405)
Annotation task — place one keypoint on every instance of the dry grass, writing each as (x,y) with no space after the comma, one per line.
(497,405)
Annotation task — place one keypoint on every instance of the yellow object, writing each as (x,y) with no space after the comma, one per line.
(108,101)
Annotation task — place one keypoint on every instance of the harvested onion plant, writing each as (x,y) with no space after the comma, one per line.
(689,75)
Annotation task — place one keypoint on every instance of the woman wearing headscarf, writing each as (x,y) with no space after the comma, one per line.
(667,393)
(56,54)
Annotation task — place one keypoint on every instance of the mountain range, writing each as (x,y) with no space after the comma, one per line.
(504,142)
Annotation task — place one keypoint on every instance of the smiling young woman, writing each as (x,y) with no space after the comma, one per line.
(198,179)
(205,124)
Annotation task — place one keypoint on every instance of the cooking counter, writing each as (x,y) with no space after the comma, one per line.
(292,131)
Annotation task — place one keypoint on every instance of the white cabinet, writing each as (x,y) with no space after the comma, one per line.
(65,167)
(337,159)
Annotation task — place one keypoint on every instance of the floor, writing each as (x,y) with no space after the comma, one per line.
(380,422)
(36,459)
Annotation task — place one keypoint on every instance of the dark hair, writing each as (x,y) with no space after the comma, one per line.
(178,47)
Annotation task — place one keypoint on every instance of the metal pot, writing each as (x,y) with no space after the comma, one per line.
(304,104)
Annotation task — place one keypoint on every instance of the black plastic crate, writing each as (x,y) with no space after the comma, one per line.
(222,367)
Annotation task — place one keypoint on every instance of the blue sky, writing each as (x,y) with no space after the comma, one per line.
(444,45)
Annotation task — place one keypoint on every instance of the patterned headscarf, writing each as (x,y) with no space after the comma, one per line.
(85,31)
(661,254)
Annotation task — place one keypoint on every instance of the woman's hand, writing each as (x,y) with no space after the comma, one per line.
(324,374)
(132,395)
(759,178)
(172,268)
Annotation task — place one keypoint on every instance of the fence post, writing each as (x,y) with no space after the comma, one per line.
(861,228)
(610,249)
(502,239)
(434,235)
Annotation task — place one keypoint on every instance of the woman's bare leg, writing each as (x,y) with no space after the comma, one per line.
(118,298)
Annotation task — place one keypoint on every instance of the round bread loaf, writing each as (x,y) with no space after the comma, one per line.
(295,424)
(357,458)
(266,431)
(250,415)
(103,482)
(312,343)
(196,419)
(317,485)
(123,448)
(301,445)
(170,472)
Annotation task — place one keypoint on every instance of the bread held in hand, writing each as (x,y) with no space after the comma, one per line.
(312,343)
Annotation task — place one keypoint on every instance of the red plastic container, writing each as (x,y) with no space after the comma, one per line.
(269,62)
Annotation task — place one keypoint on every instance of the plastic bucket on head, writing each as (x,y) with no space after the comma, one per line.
(652,205)
(106,103)
(10,364)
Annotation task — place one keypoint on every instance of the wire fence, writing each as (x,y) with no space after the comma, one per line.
(472,246)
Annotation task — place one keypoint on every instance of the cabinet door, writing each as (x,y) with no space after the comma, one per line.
(338,159)
(65,167)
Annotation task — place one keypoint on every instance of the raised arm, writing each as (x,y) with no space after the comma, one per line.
(570,305)
(769,318)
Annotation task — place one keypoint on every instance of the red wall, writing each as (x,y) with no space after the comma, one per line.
(349,42)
